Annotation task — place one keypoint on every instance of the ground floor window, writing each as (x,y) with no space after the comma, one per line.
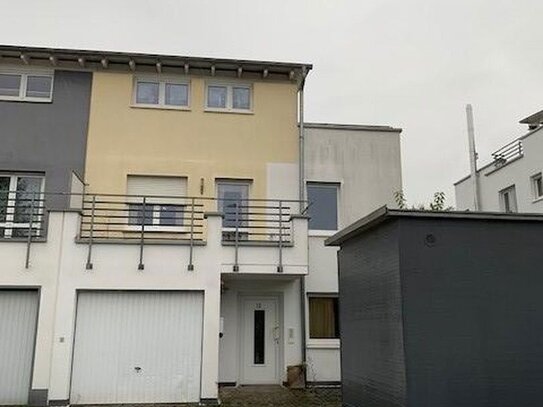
(323,317)
(21,205)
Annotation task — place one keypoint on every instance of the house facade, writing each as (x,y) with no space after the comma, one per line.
(513,181)
(156,238)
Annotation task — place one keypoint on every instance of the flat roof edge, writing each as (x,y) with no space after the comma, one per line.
(382,214)
(340,126)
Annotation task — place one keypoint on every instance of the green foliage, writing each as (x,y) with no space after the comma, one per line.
(438,204)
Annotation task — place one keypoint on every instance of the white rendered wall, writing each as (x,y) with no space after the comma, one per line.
(518,173)
(367,166)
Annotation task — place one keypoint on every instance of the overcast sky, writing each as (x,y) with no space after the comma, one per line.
(407,63)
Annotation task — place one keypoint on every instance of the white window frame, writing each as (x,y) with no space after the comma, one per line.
(24,74)
(9,224)
(248,183)
(162,81)
(513,204)
(230,97)
(321,343)
(155,217)
(325,232)
(537,195)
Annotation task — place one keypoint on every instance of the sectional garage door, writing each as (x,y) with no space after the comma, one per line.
(137,347)
(18,316)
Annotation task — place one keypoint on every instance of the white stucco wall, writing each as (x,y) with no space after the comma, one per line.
(57,268)
(366,164)
(492,180)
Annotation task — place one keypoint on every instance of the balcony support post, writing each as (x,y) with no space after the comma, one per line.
(280,266)
(191,265)
(29,238)
(142,236)
(88,266)
(236,240)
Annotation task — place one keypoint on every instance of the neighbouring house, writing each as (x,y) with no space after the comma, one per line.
(513,181)
(441,309)
(163,221)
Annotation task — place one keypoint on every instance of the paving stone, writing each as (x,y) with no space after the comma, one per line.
(277,396)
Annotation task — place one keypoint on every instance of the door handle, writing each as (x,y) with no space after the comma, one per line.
(276,334)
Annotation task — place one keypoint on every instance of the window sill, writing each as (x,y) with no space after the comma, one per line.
(25,100)
(232,111)
(538,199)
(162,107)
(321,233)
(323,344)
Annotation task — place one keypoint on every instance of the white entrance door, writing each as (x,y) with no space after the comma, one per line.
(137,347)
(260,340)
(18,314)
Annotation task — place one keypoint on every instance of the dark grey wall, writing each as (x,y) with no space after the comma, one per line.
(473,312)
(49,137)
(372,359)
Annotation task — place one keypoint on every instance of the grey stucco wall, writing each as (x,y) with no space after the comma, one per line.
(473,312)
(372,358)
(50,138)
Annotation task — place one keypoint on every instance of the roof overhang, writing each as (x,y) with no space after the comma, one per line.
(108,60)
(384,214)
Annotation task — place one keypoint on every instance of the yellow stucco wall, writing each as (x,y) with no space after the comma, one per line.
(195,144)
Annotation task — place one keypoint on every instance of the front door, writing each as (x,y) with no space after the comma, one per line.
(260,340)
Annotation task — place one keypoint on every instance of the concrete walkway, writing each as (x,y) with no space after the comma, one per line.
(277,396)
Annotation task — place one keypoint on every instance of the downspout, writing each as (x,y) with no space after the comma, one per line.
(301,181)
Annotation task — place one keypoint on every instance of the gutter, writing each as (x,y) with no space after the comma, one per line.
(301,181)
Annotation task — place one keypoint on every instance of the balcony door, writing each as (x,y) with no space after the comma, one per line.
(233,196)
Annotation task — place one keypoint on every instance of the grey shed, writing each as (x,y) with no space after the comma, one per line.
(441,309)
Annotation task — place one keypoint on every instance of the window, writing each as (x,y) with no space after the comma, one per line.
(21,205)
(508,199)
(323,317)
(537,186)
(233,196)
(323,206)
(235,98)
(30,87)
(164,203)
(162,93)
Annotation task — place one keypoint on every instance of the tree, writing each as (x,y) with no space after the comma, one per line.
(438,204)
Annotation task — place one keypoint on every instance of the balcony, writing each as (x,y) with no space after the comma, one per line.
(251,236)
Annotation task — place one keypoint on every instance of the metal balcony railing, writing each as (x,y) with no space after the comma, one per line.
(508,153)
(152,219)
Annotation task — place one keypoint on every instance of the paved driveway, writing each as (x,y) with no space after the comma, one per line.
(276,396)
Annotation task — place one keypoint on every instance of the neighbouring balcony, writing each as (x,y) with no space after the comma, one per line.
(255,235)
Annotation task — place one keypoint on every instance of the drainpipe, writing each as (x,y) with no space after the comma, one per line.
(301,181)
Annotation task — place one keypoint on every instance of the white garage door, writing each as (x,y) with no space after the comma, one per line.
(18,316)
(137,347)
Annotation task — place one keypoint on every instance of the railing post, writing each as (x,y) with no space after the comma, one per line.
(29,238)
(88,266)
(144,213)
(280,266)
(236,240)
(191,265)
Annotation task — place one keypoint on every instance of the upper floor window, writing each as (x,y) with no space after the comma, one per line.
(508,199)
(21,205)
(537,186)
(224,97)
(164,206)
(323,205)
(164,93)
(26,86)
